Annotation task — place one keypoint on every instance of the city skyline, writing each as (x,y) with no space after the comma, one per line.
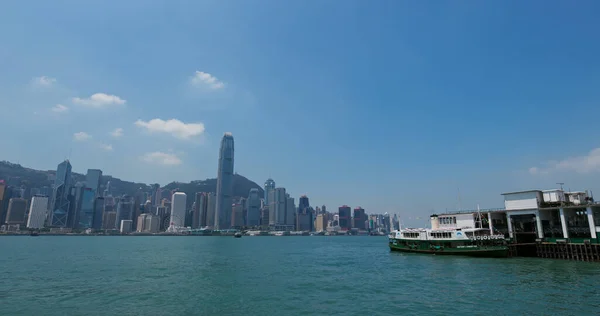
(90,212)
(393,106)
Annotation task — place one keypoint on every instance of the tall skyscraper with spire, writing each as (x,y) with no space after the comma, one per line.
(59,212)
(225,183)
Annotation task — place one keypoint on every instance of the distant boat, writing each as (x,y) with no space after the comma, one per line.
(34,234)
(237,235)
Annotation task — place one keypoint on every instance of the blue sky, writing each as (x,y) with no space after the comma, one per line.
(390,105)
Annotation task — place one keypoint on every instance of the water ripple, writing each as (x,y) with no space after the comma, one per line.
(278,276)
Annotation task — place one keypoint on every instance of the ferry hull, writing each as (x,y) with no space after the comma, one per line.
(495,252)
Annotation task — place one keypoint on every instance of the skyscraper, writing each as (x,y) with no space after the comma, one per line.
(303,202)
(253,207)
(98,213)
(17,208)
(178,210)
(86,213)
(211,209)
(290,211)
(269,185)
(60,195)
(124,210)
(200,210)
(225,183)
(37,212)
(92,180)
(277,207)
(345,217)
(360,218)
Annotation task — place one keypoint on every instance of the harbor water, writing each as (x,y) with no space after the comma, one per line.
(68,275)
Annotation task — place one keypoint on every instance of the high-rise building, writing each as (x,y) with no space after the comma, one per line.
(200,210)
(98,213)
(92,180)
(253,208)
(211,209)
(157,195)
(345,217)
(17,208)
(290,211)
(60,196)
(109,220)
(225,182)
(37,212)
(321,223)
(178,210)
(277,207)
(86,213)
(304,216)
(303,202)
(237,216)
(124,210)
(4,198)
(126,226)
(269,185)
(164,217)
(152,224)
(360,218)
(147,223)
(75,203)
(264,218)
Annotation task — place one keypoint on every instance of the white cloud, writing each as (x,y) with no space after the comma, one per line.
(100,100)
(81,136)
(44,81)
(205,79)
(59,108)
(161,158)
(173,126)
(118,132)
(580,164)
(107,147)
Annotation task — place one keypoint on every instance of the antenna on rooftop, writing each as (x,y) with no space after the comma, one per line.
(561,185)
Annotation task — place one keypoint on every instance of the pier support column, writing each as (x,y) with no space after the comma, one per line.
(510,228)
(563,223)
(538,222)
(490,223)
(590,217)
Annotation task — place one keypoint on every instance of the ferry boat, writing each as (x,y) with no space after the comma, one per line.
(474,241)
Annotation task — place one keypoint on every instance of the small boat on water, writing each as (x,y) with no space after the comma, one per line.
(34,233)
(474,240)
(237,235)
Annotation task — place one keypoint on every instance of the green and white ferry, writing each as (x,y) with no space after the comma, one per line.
(447,237)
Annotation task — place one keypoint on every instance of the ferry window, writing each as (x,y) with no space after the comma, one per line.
(454,220)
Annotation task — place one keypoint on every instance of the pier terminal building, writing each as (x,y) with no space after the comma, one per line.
(554,223)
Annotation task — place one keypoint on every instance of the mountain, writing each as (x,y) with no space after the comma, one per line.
(17,175)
